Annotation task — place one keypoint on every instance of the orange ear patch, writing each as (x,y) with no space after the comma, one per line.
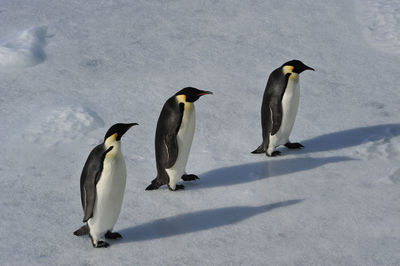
(288,69)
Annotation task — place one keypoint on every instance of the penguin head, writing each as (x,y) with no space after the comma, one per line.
(296,66)
(118,130)
(192,94)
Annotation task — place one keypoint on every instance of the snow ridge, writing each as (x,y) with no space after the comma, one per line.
(63,123)
(26,50)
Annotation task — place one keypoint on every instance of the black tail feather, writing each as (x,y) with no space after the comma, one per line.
(154,185)
(260,149)
(84,230)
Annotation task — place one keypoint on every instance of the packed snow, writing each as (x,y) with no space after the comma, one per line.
(71,69)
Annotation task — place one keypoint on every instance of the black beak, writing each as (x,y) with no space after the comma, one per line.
(132,124)
(204,93)
(309,68)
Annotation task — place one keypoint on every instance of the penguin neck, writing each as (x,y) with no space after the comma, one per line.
(189,106)
(294,76)
(115,144)
(289,70)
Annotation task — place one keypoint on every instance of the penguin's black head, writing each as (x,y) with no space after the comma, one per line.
(119,129)
(298,66)
(192,94)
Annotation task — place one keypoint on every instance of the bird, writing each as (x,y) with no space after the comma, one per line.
(279,107)
(174,136)
(102,186)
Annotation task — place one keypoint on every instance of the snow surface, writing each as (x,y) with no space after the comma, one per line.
(71,69)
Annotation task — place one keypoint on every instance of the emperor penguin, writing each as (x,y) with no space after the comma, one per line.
(103,182)
(174,136)
(279,107)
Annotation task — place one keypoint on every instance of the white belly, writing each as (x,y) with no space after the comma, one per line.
(290,105)
(109,194)
(184,139)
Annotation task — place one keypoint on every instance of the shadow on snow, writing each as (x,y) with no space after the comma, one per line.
(255,171)
(349,138)
(196,221)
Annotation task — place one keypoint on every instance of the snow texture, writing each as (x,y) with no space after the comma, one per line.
(71,69)
(381,20)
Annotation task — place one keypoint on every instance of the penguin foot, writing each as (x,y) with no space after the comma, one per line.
(112,235)
(177,187)
(294,145)
(189,177)
(101,244)
(274,153)
(84,230)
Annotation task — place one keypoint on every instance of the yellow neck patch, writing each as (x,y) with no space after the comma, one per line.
(181,98)
(111,139)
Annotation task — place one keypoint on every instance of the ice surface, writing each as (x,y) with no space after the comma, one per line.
(333,203)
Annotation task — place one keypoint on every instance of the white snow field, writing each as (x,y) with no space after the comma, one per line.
(71,69)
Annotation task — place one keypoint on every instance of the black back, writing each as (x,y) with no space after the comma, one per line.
(166,144)
(271,109)
(90,176)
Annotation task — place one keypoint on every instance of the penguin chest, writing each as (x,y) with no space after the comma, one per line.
(109,193)
(290,105)
(184,141)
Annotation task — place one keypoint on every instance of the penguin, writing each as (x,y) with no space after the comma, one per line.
(279,107)
(102,185)
(174,135)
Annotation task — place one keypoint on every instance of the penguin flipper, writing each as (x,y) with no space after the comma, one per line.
(90,176)
(276,115)
(260,149)
(171,145)
(171,142)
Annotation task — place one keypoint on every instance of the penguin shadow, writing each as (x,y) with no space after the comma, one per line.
(197,221)
(245,173)
(349,138)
